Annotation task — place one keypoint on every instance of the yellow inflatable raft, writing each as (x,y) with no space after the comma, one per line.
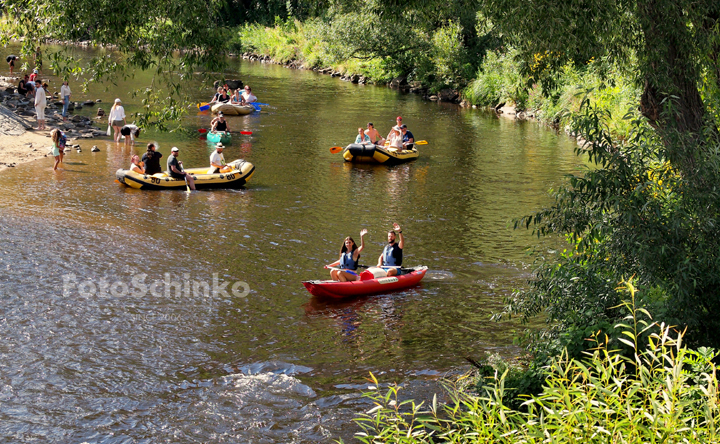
(236,178)
(359,153)
(232,109)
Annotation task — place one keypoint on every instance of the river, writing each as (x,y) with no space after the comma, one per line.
(91,354)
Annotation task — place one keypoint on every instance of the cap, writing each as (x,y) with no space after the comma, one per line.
(220,114)
(174,149)
(398,118)
(35,71)
(219,145)
(403,126)
(118,100)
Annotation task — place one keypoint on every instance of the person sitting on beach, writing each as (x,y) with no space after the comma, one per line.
(217,161)
(362,137)
(248,95)
(374,135)
(391,257)
(407,137)
(343,269)
(136,165)
(174,167)
(130,131)
(30,86)
(395,138)
(219,124)
(151,160)
(22,88)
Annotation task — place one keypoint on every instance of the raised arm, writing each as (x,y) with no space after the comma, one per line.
(401,243)
(357,252)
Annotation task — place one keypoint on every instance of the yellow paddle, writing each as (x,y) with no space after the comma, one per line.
(419,142)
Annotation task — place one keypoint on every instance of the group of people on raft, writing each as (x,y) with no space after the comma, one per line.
(399,137)
(150,163)
(225,95)
(390,260)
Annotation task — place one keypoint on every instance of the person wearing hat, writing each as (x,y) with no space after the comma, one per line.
(219,124)
(395,138)
(151,160)
(217,161)
(407,138)
(116,118)
(175,170)
(34,75)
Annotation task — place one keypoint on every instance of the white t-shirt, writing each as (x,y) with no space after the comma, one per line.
(217,159)
(116,114)
(65,91)
(249,97)
(40,98)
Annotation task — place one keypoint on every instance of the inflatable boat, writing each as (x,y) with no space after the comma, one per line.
(231,109)
(236,178)
(358,153)
(368,284)
(215,137)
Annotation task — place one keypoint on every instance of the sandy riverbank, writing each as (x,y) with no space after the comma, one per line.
(20,145)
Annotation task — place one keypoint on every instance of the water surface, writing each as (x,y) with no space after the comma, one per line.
(82,362)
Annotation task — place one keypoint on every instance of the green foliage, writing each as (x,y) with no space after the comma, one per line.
(498,80)
(633,214)
(664,392)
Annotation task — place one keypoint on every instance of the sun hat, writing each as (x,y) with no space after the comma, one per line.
(219,145)
(220,114)
(118,100)
(174,149)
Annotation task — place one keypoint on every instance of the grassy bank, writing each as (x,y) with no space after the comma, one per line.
(500,78)
(647,387)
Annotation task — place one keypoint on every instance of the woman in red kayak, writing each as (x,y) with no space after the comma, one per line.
(343,269)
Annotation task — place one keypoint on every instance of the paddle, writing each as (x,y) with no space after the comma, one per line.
(421,142)
(247,133)
(342,269)
(336,149)
(202,130)
(203,106)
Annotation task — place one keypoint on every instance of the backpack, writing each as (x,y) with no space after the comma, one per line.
(62,141)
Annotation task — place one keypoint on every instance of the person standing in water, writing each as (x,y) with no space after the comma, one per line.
(391,257)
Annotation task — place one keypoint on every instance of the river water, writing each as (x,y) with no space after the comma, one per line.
(91,353)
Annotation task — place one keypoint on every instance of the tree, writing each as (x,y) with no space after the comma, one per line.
(172,37)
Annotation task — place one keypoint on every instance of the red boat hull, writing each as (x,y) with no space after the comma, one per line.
(339,290)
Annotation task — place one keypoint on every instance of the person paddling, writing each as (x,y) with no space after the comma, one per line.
(174,167)
(219,124)
(391,257)
(217,160)
(349,257)
(374,135)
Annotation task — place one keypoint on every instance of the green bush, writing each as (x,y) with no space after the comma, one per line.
(663,392)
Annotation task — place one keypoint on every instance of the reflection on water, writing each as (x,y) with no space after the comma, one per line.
(275,365)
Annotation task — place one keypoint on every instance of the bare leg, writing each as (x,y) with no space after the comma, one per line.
(57,161)
(191,182)
(334,275)
(62,154)
(392,272)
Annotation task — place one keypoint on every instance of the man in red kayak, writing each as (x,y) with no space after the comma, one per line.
(390,259)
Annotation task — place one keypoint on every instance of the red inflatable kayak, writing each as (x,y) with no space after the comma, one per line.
(338,290)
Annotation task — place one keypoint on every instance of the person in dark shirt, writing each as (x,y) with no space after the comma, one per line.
(390,259)
(151,160)
(408,138)
(219,124)
(175,170)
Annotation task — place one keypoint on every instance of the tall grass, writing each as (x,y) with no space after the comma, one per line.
(658,392)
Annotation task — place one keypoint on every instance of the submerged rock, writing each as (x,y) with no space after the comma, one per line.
(95,149)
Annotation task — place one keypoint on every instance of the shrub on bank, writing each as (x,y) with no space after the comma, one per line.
(660,392)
